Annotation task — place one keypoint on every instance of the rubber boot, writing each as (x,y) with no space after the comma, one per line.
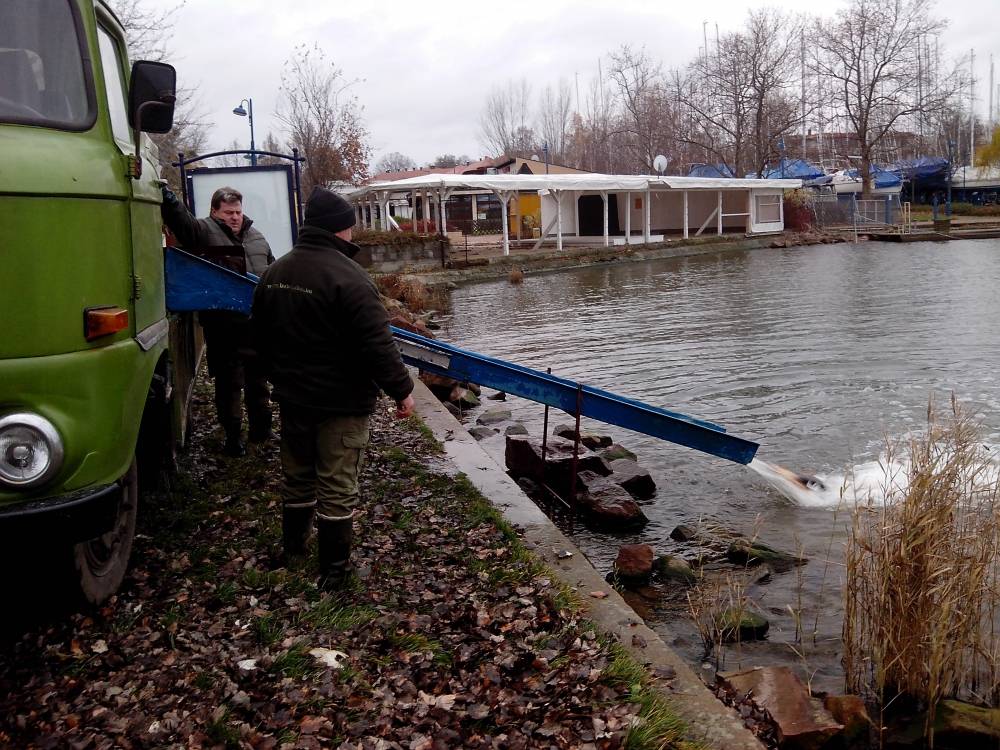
(335,536)
(260,427)
(296,527)
(234,444)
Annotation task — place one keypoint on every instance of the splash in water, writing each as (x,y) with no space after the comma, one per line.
(869,482)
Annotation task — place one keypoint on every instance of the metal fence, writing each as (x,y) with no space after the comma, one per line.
(850,212)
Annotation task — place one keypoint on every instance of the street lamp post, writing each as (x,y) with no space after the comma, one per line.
(545,150)
(951,147)
(248,113)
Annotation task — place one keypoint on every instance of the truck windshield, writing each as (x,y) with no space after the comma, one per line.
(42,78)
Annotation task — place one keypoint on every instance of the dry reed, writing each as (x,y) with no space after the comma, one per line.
(412,292)
(921,600)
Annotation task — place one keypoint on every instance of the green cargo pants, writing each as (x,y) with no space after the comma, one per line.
(321,458)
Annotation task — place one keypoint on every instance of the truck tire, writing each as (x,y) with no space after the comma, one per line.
(100,564)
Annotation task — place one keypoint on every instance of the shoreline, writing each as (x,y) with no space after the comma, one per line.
(492,266)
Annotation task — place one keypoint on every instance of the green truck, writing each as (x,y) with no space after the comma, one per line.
(94,375)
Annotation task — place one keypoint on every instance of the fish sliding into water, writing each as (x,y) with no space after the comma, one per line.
(876,482)
(802,489)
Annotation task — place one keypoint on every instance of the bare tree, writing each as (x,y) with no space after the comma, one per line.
(869,50)
(323,119)
(394,162)
(272,144)
(450,160)
(554,110)
(737,97)
(772,41)
(643,105)
(504,122)
(148,33)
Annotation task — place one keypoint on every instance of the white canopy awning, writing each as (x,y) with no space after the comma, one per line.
(576,182)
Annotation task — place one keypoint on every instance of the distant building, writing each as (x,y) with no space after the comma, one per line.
(473,211)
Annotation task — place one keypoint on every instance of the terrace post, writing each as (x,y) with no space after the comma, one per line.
(604,198)
(645,223)
(628,218)
(686,223)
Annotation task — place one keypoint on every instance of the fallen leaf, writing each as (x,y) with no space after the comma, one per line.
(328,657)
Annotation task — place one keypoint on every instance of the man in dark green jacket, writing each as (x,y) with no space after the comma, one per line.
(227,237)
(324,336)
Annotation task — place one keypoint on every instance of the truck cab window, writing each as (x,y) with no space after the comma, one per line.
(42,79)
(114,83)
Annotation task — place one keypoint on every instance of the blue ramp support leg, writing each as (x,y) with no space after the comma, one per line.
(196,284)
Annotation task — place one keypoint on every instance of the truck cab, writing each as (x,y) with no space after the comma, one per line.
(85,365)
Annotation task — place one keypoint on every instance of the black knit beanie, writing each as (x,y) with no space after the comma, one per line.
(327,210)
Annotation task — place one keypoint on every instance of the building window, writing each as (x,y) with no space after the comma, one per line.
(768,208)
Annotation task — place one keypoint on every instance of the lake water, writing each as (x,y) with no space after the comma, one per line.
(818,353)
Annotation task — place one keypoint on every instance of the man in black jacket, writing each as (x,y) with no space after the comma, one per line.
(324,335)
(227,237)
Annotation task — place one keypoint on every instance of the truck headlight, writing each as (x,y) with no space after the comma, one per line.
(31,451)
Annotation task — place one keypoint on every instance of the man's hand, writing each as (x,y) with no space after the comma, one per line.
(404,408)
(169,197)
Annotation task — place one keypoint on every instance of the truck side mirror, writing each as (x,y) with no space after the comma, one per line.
(151,96)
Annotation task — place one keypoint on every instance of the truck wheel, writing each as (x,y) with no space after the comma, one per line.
(100,563)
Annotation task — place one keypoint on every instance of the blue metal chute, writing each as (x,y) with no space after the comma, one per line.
(443,359)
(196,284)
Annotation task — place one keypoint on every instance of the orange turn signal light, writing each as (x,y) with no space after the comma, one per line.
(103,321)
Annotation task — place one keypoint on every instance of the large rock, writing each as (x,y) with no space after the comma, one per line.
(635,479)
(608,505)
(674,568)
(958,724)
(523,457)
(439,385)
(615,451)
(516,429)
(482,433)
(634,564)
(465,398)
(850,710)
(493,416)
(589,439)
(750,553)
(417,326)
(740,625)
(684,533)
(799,722)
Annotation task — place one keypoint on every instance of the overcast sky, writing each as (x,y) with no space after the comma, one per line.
(425,67)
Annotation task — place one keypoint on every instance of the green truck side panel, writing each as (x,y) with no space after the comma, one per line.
(67,254)
(94,399)
(74,231)
(39,161)
(147,250)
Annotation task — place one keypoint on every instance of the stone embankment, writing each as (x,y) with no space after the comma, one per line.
(494,265)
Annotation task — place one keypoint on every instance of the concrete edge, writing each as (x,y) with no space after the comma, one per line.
(548,261)
(709,720)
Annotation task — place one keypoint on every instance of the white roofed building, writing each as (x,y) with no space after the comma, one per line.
(592,208)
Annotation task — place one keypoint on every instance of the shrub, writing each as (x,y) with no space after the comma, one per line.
(798,210)
(367,237)
(922,574)
(423,227)
(412,292)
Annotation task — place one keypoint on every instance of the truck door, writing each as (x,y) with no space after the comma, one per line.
(144,210)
